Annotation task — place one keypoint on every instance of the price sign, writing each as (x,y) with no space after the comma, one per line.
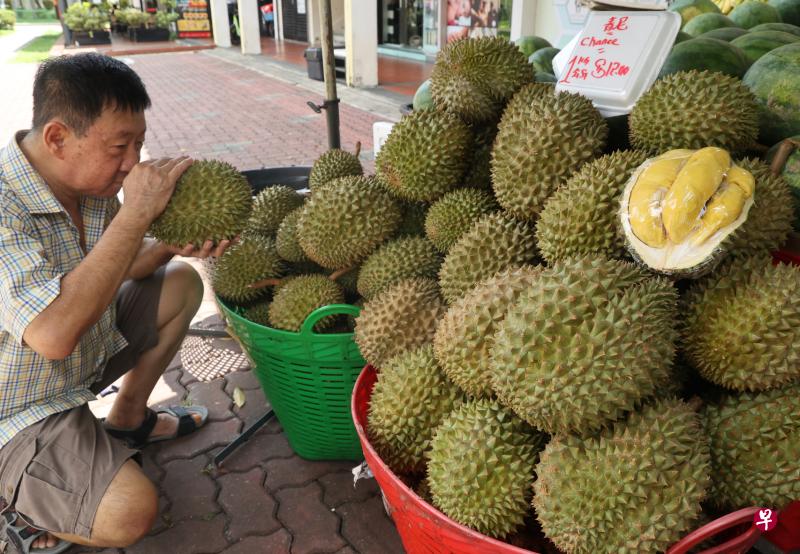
(617,57)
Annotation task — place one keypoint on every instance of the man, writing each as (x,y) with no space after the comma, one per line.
(84,299)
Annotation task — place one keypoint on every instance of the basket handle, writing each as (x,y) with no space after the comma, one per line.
(782,155)
(740,543)
(332,309)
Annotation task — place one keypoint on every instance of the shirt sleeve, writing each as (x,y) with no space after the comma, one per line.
(28,282)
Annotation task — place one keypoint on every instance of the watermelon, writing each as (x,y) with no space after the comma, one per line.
(789,10)
(422,98)
(542,77)
(530,44)
(706,54)
(755,45)
(791,172)
(754,13)
(725,33)
(775,80)
(782,27)
(542,59)
(707,22)
(689,9)
(681,36)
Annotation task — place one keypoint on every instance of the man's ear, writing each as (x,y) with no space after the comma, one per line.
(54,136)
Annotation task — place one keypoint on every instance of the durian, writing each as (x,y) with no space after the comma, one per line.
(396,261)
(345,221)
(286,240)
(251,260)
(581,216)
(270,206)
(742,325)
(694,109)
(582,345)
(479,169)
(211,201)
(455,212)
(401,430)
(413,222)
(755,448)
(494,242)
(425,155)
(295,300)
(401,318)
(258,312)
(635,487)
(474,78)
(465,334)
(333,164)
(543,139)
(481,467)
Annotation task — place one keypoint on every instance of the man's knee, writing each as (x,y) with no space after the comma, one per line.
(184,279)
(128,510)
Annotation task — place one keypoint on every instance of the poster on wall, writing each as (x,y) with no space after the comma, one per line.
(194,21)
(472,18)
(301,6)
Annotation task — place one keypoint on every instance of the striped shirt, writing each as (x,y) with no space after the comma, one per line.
(39,244)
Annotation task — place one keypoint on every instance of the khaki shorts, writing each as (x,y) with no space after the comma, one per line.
(55,472)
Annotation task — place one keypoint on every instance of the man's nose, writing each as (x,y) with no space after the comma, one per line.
(131,158)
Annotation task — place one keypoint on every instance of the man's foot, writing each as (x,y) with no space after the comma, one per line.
(26,539)
(167,423)
(46,540)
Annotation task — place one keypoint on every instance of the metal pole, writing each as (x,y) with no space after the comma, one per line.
(331,103)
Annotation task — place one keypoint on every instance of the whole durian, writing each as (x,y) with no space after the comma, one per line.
(464,336)
(252,259)
(755,446)
(345,221)
(271,206)
(258,312)
(286,240)
(479,170)
(496,241)
(454,213)
(425,155)
(402,317)
(212,201)
(694,109)
(474,78)
(481,467)
(581,216)
(635,487)
(333,164)
(742,325)
(543,138)
(401,431)
(294,301)
(582,345)
(396,261)
(413,222)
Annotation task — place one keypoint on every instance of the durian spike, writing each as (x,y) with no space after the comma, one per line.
(784,151)
(339,272)
(265,283)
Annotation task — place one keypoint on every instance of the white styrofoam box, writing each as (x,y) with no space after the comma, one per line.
(380,132)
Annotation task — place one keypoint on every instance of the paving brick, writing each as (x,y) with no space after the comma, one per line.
(186,378)
(212,396)
(213,433)
(294,471)
(164,519)
(190,489)
(87,550)
(251,510)
(262,447)
(277,543)
(255,406)
(366,527)
(150,466)
(347,550)
(313,525)
(168,390)
(245,380)
(338,487)
(186,537)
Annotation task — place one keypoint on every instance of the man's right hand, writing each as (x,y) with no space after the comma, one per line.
(149,185)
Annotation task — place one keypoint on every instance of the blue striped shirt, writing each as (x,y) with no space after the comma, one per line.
(39,244)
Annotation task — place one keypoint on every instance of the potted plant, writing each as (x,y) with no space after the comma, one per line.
(150,27)
(119,18)
(89,24)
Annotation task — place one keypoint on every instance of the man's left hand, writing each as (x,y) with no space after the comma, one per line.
(208,249)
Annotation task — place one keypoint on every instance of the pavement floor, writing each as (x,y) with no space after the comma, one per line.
(252,113)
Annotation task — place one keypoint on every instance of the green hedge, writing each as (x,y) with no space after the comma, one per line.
(36,15)
(7,19)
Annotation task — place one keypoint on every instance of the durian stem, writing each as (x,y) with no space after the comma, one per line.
(784,151)
(358,148)
(339,272)
(265,283)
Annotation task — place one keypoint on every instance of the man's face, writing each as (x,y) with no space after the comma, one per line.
(98,161)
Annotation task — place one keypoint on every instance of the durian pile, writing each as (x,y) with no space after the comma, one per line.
(586,340)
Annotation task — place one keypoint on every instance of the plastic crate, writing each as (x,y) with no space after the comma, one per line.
(308,378)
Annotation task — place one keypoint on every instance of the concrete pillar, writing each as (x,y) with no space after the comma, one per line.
(523,18)
(277,6)
(361,42)
(248,26)
(219,22)
(313,18)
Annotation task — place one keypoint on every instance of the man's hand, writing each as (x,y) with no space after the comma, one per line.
(149,185)
(208,249)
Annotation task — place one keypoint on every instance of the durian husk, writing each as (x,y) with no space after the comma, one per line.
(251,260)
(333,164)
(695,109)
(396,261)
(454,213)
(271,206)
(635,487)
(286,240)
(258,312)
(295,301)
(413,222)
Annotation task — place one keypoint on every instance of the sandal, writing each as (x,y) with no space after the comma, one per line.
(20,538)
(140,437)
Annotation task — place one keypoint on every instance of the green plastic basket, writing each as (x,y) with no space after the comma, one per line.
(308,378)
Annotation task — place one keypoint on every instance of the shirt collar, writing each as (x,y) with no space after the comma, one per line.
(26,182)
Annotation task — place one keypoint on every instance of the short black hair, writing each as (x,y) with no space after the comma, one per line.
(78,88)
